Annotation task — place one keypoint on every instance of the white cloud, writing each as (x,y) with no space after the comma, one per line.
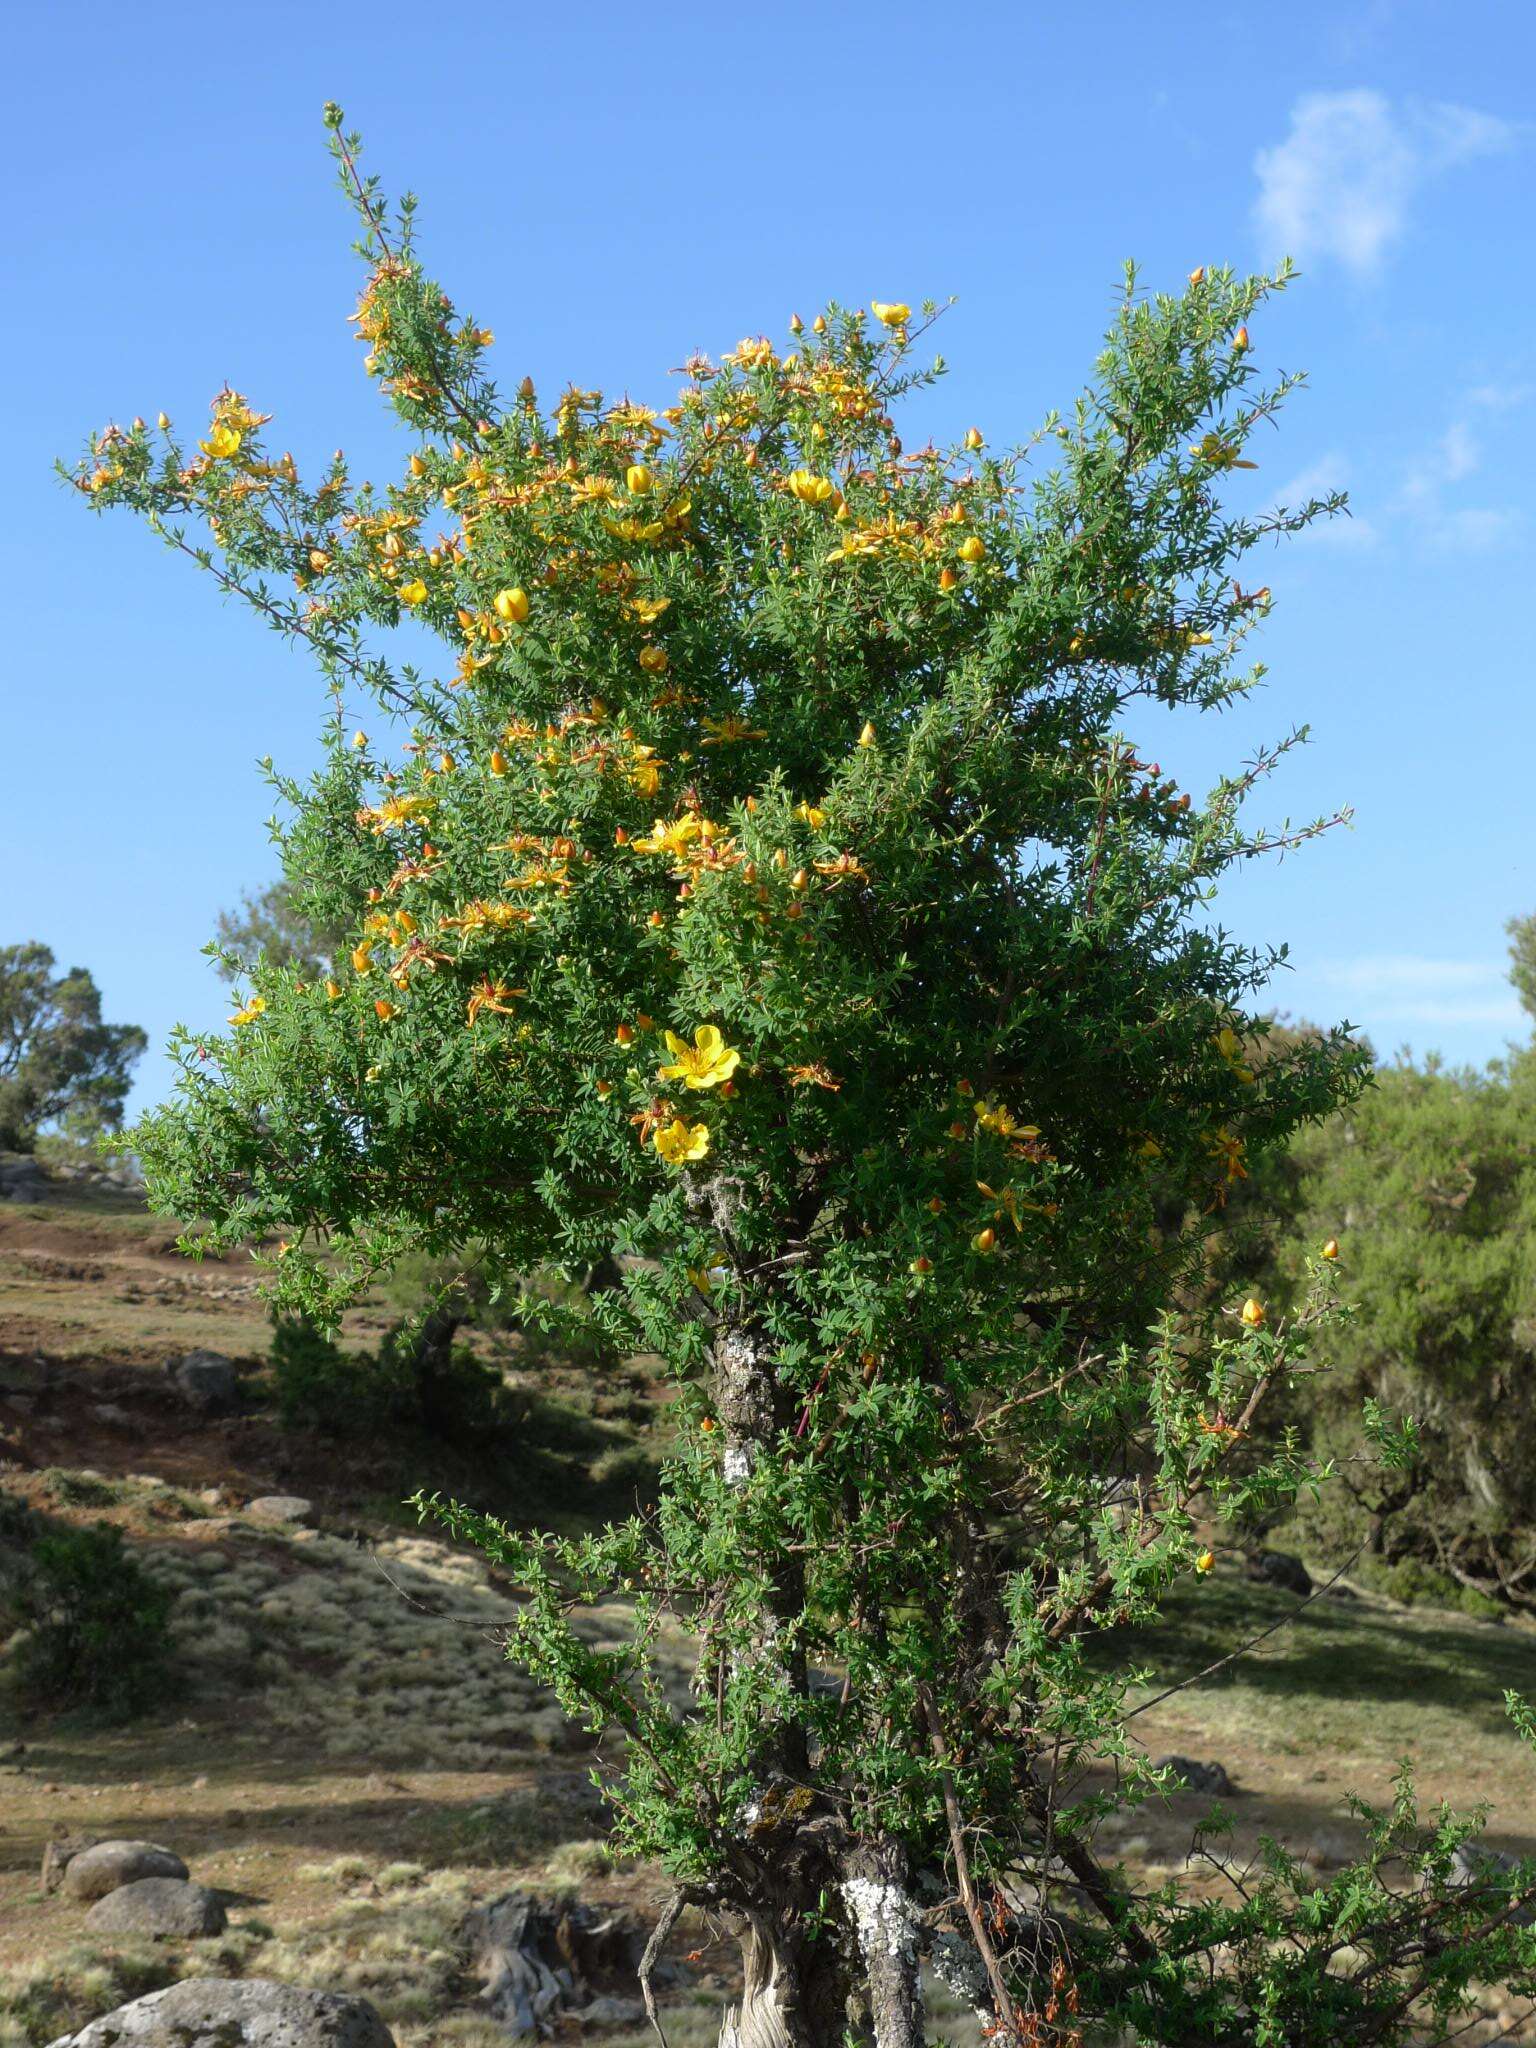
(1430,477)
(1341,182)
(1320,479)
(1406,988)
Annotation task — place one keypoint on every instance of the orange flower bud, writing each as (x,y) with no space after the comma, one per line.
(1331,1248)
(1205,1562)
(1253,1313)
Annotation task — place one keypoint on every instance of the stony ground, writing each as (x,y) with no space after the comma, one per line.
(351,1761)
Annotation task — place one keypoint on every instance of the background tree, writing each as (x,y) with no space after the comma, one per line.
(768,888)
(60,1065)
(274,924)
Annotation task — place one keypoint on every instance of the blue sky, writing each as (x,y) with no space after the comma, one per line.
(612,186)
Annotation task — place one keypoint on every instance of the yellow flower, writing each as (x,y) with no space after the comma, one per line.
(705,1063)
(812,489)
(1205,1562)
(653,660)
(362,958)
(1253,1313)
(333,990)
(672,839)
(638,479)
(725,731)
(223,441)
(680,1143)
(512,605)
(972,549)
(359,739)
(808,814)
(973,439)
(251,1011)
(413,592)
(867,734)
(1218,453)
(890,316)
(648,609)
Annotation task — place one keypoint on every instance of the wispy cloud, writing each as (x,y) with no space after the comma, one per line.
(1341,183)
(1320,479)
(1407,988)
(1425,496)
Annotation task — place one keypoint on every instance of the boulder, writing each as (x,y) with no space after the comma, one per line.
(157,1906)
(206,1381)
(280,1507)
(1209,1780)
(21,1178)
(94,1872)
(1280,1568)
(251,2012)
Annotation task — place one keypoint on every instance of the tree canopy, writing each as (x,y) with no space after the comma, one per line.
(60,1065)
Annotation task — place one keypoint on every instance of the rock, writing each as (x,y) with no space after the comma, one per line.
(535,1958)
(280,1507)
(605,2011)
(1209,1780)
(96,1871)
(21,1178)
(251,2012)
(1280,1568)
(1476,1866)
(58,1854)
(206,1380)
(158,1906)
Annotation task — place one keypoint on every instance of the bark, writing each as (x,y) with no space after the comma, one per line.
(889,1933)
(794,1991)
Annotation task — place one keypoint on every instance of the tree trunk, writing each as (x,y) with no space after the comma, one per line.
(794,1991)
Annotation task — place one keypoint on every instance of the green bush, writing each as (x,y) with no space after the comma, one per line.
(91,1624)
(1416,1584)
(442,1388)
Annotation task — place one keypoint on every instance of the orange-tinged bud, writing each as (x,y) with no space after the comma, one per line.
(620,836)
(1331,1248)
(638,479)
(820,323)
(708,1424)
(1205,1562)
(446,764)
(359,739)
(958,1130)
(800,879)
(1197,275)
(418,467)
(867,734)
(162,420)
(333,989)
(964,1087)
(1240,339)
(498,761)
(384,1009)
(936,1205)
(984,1240)
(796,324)
(973,439)
(751,806)
(362,958)
(947,578)
(972,549)
(625,1035)
(644,1021)
(920,1265)
(512,605)
(1253,1313)
(653,660)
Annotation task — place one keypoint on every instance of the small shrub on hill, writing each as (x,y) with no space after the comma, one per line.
(91,1625)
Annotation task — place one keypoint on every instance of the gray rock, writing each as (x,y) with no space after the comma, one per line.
(605,2011)
(1280,1568)
(157,1906)
(94,1872)
(252,2012)
(280,1507)
(206,1380)
(1209,1780)
(21,1178)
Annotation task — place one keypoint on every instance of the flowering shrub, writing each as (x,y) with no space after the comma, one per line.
(764,884)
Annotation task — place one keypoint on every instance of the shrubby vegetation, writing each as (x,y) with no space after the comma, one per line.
(769,890)
(90,1626)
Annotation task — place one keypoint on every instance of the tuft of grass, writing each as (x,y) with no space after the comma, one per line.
(575,1862)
